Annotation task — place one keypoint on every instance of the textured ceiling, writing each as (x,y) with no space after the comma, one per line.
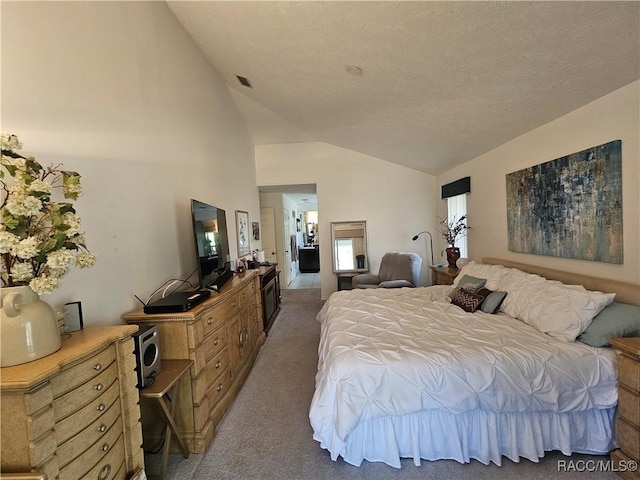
(442,83)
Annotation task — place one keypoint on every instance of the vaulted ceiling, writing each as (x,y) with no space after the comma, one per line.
(424,84)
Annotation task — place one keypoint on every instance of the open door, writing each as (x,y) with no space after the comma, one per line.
(268,233)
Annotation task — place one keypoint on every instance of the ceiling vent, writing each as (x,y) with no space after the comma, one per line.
(244,81)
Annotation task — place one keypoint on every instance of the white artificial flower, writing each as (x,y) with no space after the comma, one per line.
(25,249)
(23,205)
(19,163)
(71,220)
(39,186)
(22,272)
(7,241)
(85,260)
(78,239)
(10,142)
(60,260)
(72,188)
(43,284)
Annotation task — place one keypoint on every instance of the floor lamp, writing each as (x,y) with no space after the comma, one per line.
(430,242)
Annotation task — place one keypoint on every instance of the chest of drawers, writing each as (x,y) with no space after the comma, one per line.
(222,336)
(628,413)
(75,413)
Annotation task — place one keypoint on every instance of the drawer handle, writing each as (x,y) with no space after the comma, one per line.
(104,473)
(105,447)
(218,363)
(234,304)
(216,340)
(102,428)
(97,367)
(99,387)
(209,321)
(219,387)
(101,407)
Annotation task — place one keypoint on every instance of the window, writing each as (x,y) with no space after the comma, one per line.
(456,208)
(344,253)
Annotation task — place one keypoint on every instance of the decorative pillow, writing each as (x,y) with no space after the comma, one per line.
(616,320)
(492,273)
(470,284)
(492,300)
(562,311)
(466,300)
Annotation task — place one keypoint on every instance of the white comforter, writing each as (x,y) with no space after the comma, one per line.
(396,352)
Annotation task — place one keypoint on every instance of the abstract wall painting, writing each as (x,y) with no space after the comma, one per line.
(570,207)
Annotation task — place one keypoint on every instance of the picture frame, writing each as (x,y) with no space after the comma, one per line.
(255,229)
(242,233)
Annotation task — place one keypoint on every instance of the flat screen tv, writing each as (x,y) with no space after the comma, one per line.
(212,245)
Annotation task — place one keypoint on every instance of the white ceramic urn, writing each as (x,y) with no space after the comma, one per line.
(28,327)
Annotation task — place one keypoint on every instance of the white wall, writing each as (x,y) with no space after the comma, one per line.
(119,92)
(397,202)
(614,116)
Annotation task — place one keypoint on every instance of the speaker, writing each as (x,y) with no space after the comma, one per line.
(147,353)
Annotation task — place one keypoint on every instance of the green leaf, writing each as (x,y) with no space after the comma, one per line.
(47,246)
(33,165)
(66,208)
(12,169)
(10,222)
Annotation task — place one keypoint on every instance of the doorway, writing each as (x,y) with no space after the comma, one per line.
(289,204)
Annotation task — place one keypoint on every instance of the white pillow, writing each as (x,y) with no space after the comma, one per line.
(492,273)
(562,311)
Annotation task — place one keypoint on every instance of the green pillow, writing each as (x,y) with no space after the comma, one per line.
(492,300)
(470,284)
(616,320)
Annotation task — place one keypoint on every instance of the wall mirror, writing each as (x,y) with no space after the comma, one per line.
(349,245)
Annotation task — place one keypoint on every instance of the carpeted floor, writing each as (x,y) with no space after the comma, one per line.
(266,434)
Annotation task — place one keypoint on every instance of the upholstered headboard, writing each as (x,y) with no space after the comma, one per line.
(625,292)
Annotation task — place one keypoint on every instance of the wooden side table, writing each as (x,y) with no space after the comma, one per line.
(165,385)
(443,275)
(628,412)
(344,280)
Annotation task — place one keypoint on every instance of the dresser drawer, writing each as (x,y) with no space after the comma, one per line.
(218,389)
(216,366)
(212,369)
(629,405)
(628,437)
(248,295)
(74,376)
(76,445)
(75,423)
(42,449)
(629,372)
(215,342)
(217,316)
(92,389)
(39,424)
(108,450)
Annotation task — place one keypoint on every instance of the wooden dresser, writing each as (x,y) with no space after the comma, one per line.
(75,414)
(222,336)
(628,413)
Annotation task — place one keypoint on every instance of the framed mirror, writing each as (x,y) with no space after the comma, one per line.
(349,245)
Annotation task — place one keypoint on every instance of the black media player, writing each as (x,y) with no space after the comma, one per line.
(177,302)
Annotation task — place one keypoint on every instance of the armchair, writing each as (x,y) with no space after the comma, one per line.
(396,270)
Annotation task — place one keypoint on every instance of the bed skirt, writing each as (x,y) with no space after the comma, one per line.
(479,435)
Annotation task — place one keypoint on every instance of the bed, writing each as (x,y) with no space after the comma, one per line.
(409,373)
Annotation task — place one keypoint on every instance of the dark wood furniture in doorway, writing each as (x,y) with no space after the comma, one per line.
(270,291)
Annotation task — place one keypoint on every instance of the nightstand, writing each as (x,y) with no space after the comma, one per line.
(344,280)
(628,413)
(443,275)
